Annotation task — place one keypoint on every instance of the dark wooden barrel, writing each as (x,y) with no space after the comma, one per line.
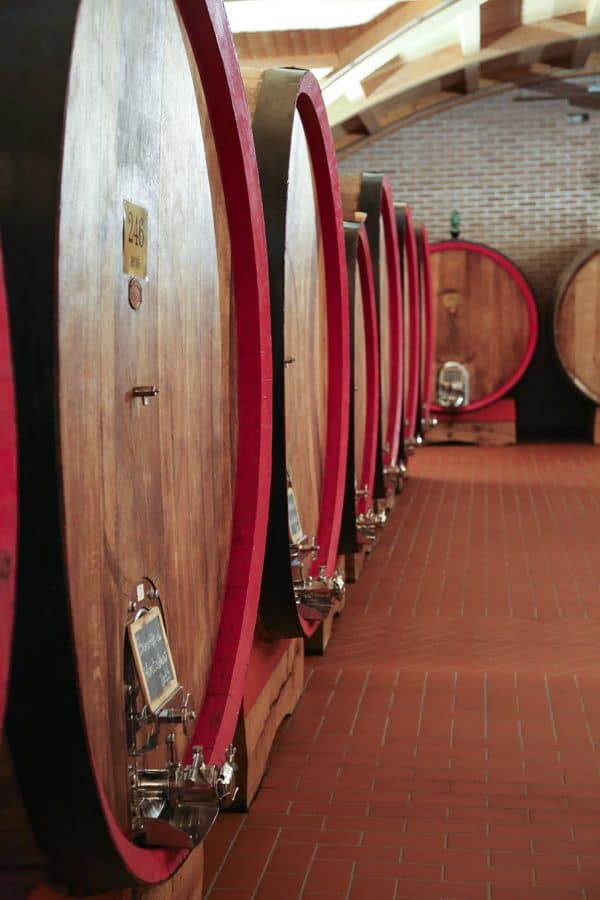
(428,332)
(576,322)
(371,194)
(486,318)
(410,275)
(8,496)
(136,272)
(364,383)
(310,338)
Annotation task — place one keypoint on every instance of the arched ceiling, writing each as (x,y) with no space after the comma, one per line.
(387,63)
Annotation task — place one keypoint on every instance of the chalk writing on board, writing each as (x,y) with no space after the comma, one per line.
(153,659)
(296,532)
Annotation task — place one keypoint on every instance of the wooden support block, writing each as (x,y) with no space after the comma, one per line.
(388,503)
(355,562)
(275,682)
(492,425)
(484,433)
(316,645)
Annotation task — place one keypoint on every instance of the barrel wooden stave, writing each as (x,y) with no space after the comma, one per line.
(576,322)
(494,329)
(366,432)
(360,379)
(310,326)
(364,395)
(145,491)
(370,193)
(411,296)
(305,338)
(385,348)
(428,330)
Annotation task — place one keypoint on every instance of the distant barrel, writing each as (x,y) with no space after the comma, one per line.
(486,324)
(364,382)
(576,323)
(411,295)
(371,193)
(428,330)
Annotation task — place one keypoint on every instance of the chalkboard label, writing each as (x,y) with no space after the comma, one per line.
(153,660)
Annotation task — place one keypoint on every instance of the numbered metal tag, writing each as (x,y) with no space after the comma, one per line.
(135,240)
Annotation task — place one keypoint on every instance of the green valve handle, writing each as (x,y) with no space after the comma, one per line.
(455,223)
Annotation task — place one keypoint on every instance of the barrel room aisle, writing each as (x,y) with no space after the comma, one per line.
(447,744)
(299,450)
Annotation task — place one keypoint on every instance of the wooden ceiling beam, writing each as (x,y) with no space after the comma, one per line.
(388,23)
(529,42)
(311,48)
(582,51)
(592,13)
(299,60)
(370,121)
(465,81)
(500,15)
(469,27)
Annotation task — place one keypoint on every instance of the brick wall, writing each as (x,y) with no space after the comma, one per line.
(526,183)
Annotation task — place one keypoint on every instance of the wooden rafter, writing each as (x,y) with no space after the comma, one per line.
(592,12)
(530,41)
(420,56)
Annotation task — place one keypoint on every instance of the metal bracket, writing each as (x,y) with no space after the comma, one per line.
(315,597)
(393,475)
(411,444)
(144,392)
(176,806)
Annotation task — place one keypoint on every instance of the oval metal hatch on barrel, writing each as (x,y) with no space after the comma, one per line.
(576,322)
(309,316)
(138,163)
(486,318)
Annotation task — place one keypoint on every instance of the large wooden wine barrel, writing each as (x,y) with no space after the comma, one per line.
(371,194)
(364,383)
(8,496)
(486,318)
(576,322)
(428,331)
(310,338)
(410,275)
(137,279)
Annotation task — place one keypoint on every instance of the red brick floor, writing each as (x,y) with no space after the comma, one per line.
(447,746)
